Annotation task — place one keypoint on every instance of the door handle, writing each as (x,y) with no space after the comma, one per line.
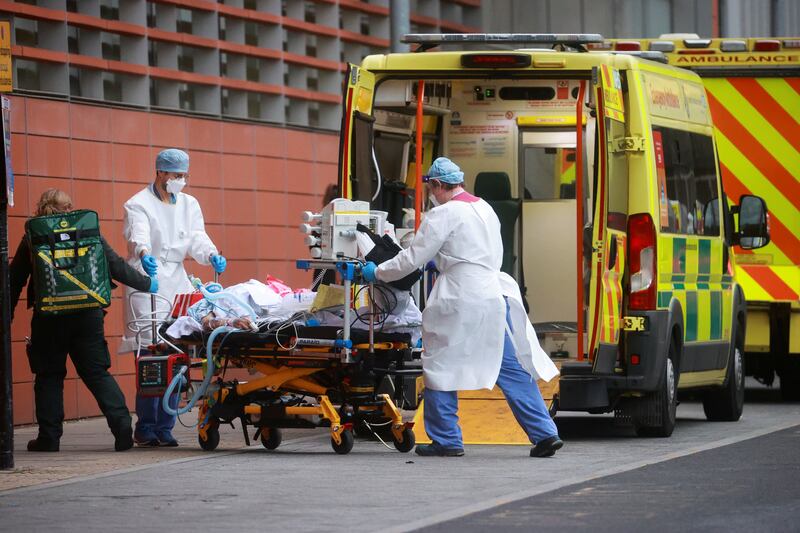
(612,253)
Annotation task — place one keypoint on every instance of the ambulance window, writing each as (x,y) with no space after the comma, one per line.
(362,170)
(692,203)
(548,165)
(706,193)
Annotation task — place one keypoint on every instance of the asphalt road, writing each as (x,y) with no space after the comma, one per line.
(707,476)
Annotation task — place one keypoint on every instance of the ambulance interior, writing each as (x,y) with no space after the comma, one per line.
(515,140)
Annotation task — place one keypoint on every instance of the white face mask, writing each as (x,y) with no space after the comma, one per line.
(433,200)
(175,186)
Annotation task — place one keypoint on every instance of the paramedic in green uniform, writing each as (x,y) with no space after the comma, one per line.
(81,334)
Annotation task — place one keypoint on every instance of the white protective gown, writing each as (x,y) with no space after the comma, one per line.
(463,324)
(170,233)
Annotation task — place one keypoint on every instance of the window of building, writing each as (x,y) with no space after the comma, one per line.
(313,114)
(74,81)
(72,6)
(251,4)
(73,40)
(186,95)
(251,33)
(112,86)
(27,74)
(310,14)
(225,101)
(26,31)
(223,64)
(183,24)
(222,27)
(253,69)
(253,105)
(109,9)
(185,59)
(152,53)
(110,46)
(688,194)
(151,15)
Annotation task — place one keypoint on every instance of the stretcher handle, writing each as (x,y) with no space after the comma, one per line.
(153,316)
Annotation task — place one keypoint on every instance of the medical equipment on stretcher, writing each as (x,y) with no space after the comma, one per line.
(300,375)
(154,373)
(331,234)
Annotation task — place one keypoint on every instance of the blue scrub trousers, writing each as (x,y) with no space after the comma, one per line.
(152,421)
(520,390)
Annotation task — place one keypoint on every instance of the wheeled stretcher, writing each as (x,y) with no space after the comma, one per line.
(349,380)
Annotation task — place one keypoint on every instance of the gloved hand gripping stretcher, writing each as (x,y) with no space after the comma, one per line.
(306,375)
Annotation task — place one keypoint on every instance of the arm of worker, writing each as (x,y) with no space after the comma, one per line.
(122,272)
(137,229)
(19,272)
(430,238)
(201,248)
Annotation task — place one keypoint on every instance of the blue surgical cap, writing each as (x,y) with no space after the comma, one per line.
(172,160)
(445,171)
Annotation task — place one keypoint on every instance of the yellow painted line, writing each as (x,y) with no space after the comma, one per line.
(74,280)
(751,118)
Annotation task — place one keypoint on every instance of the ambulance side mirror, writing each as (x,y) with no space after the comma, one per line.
(753,224)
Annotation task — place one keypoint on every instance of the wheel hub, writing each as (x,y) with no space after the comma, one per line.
(737,366)
(670,381)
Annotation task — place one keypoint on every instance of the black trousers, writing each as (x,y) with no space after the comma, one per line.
(81,335)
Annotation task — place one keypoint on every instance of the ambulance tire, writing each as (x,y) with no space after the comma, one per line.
(212,440)
(664,401)
(725,404)
(344,447)
(271,438)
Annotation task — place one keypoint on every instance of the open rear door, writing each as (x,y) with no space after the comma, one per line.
(610,219)
(358,176)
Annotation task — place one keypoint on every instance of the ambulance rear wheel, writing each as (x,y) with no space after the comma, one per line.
(661,405)
(408,441)
(271,438)
(344,447)
(212,440)
(726,403)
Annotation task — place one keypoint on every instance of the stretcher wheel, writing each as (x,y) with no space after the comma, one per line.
(212,442)
(408,441)
(347,443)
(271,438)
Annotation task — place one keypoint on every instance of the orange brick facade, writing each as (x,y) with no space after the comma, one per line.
(252,181)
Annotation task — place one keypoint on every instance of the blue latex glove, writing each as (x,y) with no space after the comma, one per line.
(219,263)
(150,265)
(368,272)
(153,285)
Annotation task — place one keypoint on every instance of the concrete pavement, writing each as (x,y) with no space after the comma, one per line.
(305,486)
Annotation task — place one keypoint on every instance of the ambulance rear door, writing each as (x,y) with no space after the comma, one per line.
(358,174)
(609,230)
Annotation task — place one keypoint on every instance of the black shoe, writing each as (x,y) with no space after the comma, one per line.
(42,445)
(123,439)
(434,450)
(547,447)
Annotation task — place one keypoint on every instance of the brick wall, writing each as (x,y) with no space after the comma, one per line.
(252,181)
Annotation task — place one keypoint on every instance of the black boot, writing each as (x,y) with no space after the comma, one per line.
(40,444)
(547,447)
(123,438)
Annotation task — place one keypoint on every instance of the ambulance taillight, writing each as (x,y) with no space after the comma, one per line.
(628,46)
(642,261)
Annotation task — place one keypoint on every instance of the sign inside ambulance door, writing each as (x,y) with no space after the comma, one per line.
(612,93)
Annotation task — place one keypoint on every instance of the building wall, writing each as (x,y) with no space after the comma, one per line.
(250,88)
(253,181)
(646,18)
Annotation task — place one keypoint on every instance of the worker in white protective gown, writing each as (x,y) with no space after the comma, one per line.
(474,328)
(162,226)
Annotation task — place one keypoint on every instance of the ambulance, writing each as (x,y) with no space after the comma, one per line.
(602,168)
(753,88)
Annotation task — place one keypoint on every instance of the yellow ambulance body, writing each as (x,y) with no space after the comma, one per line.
(602,169)
(753,88)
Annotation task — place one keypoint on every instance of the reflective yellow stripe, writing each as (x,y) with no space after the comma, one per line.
(74,280)
(783,93)
(53,299)
(69,307)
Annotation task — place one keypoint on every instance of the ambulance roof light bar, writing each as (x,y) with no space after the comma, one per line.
(572,40)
